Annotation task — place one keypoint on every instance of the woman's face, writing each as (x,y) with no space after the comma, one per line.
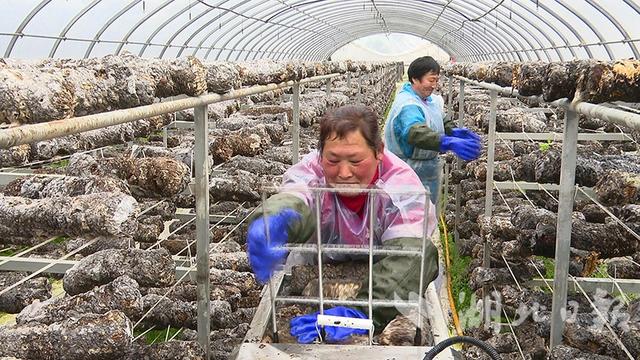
(349,162)
(427,84)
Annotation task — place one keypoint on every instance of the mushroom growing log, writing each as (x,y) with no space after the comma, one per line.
(92,214)
(121,294)
(150,268)
(87,337)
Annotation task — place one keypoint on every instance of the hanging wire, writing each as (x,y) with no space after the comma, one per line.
(144,333)
(46,267)
(546,282)
(615,218)
(437,18)
(606,322)
(503,199)
(615,283)
(511,272)
(513,333)
(472,20)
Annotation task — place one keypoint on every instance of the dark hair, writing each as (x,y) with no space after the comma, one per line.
(422,66)
(347,119)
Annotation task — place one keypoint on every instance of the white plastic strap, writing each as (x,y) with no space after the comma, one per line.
(346,322)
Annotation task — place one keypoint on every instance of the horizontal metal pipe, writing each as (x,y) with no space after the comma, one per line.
(129,42)
(558,136)
(338,189)
(509,91)
(26,134)
(31,264)
(378,250)
(375,303)
(599,43)
(611,115)
(619,117)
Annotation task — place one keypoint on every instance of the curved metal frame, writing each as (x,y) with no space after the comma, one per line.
(238,18)
(497,36)
(373,29)
(69,25)
(96,38)
(23,25)
(590,25)
(518,38)
(618,26)
(402,27)
(251,27)
(376,30)
(295,23)
(140,22)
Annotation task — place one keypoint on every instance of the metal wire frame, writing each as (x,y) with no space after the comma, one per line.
(317,194)
(318,20)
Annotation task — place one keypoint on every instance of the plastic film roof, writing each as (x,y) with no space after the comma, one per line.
(472,30)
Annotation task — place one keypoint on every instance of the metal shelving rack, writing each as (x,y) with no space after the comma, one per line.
(567,188)
(203,221)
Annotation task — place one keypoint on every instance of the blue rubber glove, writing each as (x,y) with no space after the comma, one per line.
(305,329)
(263,258)
(464,133)
(466,149)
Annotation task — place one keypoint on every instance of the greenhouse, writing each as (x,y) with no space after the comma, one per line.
(320,179)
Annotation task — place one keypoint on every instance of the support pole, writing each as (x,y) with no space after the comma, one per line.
(456,234)
(165,136)
(202,224)
(318,198)
(461,104)
(272,291)
(349,79)
(450,97)
(563,227)
(295,126)
(372,214)
(417,340)
(488,199)
(328,87)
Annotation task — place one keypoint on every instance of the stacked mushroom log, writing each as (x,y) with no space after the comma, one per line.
(581,80)
(522,229)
